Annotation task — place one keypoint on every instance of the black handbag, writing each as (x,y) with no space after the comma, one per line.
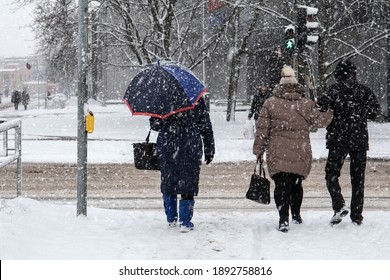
(259,187)
(145,155)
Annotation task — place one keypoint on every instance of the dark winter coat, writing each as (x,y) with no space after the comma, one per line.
(16,97)
(257,102)
(180,148)
(284,128)
(352,104)
(25,98)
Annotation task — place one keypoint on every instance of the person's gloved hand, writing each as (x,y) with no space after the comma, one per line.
(208,158)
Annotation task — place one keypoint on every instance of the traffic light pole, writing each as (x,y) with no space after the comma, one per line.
(289,48)
(82,96)
(301,44)
(307,36)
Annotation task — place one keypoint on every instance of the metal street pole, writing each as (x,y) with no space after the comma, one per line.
(94,51)
(82,97)
(388,72)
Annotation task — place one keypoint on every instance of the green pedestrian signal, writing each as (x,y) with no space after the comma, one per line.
(289,44)
(289,39)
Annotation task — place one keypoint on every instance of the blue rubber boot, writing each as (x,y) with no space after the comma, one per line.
(170,206)
(186,211)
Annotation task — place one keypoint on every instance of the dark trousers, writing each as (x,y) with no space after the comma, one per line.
(357,169)
(288,194)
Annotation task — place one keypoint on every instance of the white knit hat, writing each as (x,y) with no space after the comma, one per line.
(288,75)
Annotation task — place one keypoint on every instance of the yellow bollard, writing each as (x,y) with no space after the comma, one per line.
(89,122)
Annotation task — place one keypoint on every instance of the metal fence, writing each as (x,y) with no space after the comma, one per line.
(12,147)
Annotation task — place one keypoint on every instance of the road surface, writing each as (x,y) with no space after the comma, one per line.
(222,186)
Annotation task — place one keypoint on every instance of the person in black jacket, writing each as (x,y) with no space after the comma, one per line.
(16,98)
(352,104)
(258,101)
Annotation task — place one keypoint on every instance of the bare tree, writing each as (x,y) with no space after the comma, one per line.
(238,49)
(55,27)
(349,29)
(147,30)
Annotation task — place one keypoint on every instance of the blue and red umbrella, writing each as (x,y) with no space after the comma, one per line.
(161,90)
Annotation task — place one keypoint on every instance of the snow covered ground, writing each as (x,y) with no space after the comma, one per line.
(37,230)
(33,230)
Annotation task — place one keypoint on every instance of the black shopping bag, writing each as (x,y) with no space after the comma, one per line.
(259,187)
(145,155)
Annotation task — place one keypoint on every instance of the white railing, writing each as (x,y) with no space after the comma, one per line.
(10,152)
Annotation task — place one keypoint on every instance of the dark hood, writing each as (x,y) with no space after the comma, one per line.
(345,71)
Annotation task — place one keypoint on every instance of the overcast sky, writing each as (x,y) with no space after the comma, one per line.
(15,38)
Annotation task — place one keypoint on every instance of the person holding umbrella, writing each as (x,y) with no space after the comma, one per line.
(172,96)
(179,148)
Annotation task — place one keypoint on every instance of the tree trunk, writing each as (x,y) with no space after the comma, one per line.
(236,62)
(233,84)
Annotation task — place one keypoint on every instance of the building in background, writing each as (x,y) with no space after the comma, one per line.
(13,75)
(25,73)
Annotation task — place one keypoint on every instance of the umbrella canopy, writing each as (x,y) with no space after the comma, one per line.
(163,90)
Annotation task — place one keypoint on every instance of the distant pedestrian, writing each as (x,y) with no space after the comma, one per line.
(283,133)
(258,101)
(180,149)
(352,104)
(16,98)
(25,99)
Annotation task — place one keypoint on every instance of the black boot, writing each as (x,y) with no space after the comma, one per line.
(283,224)
(297,219)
